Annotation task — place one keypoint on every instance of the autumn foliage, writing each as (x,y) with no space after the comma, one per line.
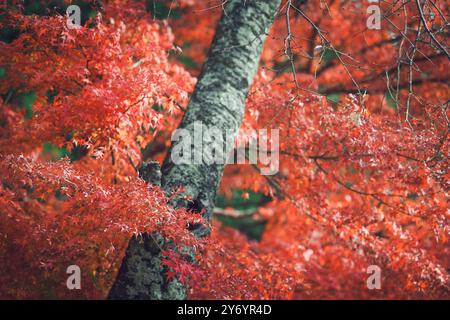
(364,151)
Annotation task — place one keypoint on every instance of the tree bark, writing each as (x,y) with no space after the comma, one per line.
(218,100)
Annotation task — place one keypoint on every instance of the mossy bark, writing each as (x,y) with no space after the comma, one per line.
(219,101)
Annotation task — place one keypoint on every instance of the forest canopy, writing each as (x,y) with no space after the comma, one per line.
(362,115)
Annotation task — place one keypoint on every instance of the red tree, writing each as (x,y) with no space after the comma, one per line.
(364,152)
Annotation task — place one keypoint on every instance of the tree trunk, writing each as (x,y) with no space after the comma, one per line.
(218,100)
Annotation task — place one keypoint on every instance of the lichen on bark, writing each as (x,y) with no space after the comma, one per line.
(217,101)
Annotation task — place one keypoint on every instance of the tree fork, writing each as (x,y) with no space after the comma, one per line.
(218,100)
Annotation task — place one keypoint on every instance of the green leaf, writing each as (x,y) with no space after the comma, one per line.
(162,10)
(329,55)
(26,101)
(334,98)
(53,151)
(187,61)
(390,100)
(249,226)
